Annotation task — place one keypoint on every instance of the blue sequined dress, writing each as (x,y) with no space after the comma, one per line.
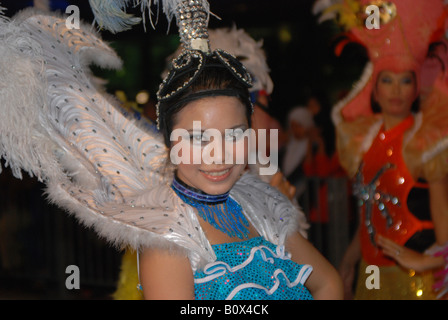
(254,269)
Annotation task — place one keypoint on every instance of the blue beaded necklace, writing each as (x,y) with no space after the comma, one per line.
(221,211)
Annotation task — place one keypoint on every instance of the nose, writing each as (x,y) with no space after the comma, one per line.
(396,89)
(215,151)
(219,152)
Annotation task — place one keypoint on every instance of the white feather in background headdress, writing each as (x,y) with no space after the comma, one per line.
(239,43)
(43,5)
(321,5)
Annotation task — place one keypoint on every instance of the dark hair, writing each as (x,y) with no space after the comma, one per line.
(214,80)
(433,54)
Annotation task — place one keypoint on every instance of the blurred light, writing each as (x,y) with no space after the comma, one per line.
(419,293)
(284,34)
(121,95)
(142,97)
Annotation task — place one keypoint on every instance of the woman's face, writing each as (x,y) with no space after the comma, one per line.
(213,165)
(395,92)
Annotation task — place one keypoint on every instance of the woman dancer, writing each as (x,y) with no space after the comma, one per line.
(220,101)
(202,229)
(250,53)
(391,136)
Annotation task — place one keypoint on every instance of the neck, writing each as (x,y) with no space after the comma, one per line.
(390,121)
(221,211)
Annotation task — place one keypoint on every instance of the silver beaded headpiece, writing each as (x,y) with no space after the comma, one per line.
(192,18)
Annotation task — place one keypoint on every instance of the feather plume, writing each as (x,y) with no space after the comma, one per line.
(321,7)
(248,51)
(97,163)
(345,12)
(111,14)
(43,5)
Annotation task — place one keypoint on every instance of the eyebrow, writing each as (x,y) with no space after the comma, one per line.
(240,126)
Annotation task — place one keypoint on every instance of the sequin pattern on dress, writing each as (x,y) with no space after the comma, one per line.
(254,269)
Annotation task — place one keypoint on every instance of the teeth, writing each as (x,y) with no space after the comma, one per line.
(217,173)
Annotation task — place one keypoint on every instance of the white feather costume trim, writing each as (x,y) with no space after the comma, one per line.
(99,165)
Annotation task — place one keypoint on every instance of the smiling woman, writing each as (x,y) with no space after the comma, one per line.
(220,113)
(201,230)
(252,246)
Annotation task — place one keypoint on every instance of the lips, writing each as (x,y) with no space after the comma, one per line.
(396,101)
(216,175)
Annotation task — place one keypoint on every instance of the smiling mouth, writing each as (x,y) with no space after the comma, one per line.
(216,175)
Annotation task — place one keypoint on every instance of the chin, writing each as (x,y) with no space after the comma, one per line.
(215,190)
(399,110)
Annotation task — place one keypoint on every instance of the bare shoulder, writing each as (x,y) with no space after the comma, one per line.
(165,275)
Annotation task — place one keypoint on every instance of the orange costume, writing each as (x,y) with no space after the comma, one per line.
(384,185)
(391,167)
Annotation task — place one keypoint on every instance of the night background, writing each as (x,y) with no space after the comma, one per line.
(300,54)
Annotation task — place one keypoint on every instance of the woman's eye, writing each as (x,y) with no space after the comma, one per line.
(386,80)
(407,80)
(234,135)
(199,139)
